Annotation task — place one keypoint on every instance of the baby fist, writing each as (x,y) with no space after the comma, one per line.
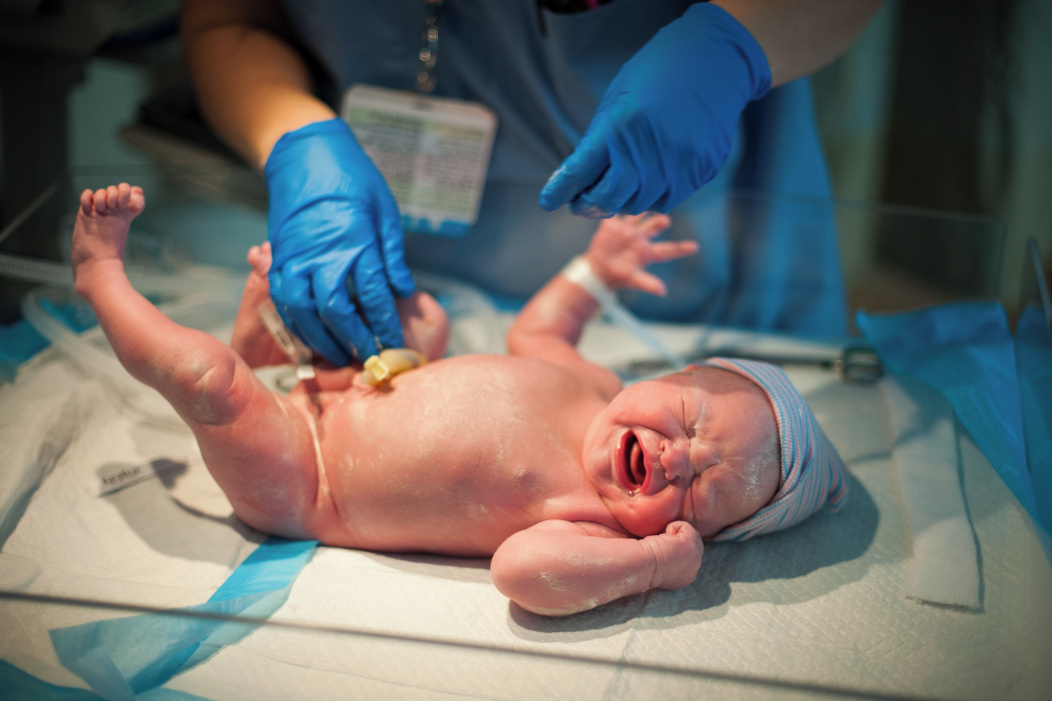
(677,553)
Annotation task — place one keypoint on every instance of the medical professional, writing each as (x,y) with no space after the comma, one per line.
(622,106)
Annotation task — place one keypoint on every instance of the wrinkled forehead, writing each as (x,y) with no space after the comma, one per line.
(716,383)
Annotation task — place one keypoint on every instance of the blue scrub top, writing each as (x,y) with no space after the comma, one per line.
(543,74)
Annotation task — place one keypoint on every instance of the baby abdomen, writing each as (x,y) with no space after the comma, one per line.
(430,505)
(442,483)
(455,473)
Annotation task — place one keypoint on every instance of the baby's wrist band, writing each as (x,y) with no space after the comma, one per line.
(579,271)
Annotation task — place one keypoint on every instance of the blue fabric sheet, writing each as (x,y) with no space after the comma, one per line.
(1034,363)
(128,658)
(16,684)
(19,341)
(966,351)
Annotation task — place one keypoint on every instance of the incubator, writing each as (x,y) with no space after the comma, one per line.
(124,572)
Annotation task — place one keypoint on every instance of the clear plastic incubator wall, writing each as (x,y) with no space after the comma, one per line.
(125,574)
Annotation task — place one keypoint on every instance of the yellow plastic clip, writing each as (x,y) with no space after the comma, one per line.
(379,369)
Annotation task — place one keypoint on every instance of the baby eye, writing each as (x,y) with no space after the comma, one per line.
(688,428)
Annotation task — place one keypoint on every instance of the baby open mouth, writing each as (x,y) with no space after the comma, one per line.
(635,469)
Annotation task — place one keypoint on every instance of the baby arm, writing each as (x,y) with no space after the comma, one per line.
(552,321)
(556,568)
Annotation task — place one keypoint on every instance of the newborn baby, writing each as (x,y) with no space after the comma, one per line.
(580,491)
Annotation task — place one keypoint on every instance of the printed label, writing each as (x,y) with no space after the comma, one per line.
(114,477)
(433,153)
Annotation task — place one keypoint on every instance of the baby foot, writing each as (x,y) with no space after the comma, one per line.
(103,221)
(257,286)
(250,339)
(425,325)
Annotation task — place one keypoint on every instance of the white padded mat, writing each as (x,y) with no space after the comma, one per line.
(820,607)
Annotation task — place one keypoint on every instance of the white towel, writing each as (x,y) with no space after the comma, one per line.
(945,568)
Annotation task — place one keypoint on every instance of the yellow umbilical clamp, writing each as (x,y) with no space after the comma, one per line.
(379,369)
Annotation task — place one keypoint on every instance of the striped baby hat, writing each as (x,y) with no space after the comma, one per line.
(812,472)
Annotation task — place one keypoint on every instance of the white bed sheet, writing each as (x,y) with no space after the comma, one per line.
(819,607)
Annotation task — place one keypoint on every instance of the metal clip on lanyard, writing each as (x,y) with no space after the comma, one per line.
(425,78)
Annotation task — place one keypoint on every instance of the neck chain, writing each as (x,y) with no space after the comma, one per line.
(425,76)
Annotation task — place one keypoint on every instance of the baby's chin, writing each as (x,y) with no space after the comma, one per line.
(635,522)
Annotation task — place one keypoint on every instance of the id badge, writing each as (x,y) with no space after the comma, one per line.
(432,151)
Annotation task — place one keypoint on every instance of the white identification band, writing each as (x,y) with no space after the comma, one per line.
(579,271)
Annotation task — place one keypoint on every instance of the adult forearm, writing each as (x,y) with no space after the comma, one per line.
(251,84)
(801,36)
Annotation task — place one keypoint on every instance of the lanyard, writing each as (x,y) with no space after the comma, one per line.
(428,54)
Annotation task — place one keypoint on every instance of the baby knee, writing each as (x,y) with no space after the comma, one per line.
(203,387)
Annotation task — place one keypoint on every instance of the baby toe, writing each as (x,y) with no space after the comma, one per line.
(100,201)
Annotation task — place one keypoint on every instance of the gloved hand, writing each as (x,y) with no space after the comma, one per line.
(336,236)
(665,124)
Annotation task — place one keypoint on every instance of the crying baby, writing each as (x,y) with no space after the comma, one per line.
(581,492)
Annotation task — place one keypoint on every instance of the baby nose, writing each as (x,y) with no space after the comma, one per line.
(673,459)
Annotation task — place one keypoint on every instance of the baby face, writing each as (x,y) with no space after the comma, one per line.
(699,446)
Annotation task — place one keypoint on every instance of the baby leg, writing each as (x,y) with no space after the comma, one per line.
(250,339)
(259,450)
(149,345)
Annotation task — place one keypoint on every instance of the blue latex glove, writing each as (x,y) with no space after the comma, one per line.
(336,236)
(665,124)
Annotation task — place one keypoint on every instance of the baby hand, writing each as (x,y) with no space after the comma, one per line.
(623,247)
(677,552)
